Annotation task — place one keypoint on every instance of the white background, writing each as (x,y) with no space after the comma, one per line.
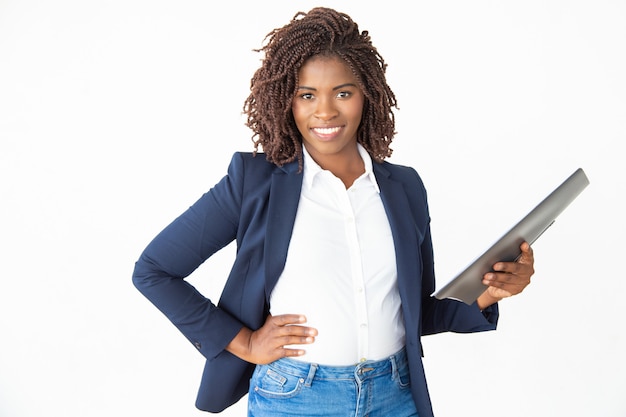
(117,115)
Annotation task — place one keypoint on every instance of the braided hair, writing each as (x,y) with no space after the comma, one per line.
(324,32)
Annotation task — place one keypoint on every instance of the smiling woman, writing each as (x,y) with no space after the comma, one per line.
(330,291)
(115,116)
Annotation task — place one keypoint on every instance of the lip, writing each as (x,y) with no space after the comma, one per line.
(326,133)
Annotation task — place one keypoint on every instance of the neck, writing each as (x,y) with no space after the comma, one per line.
(347,169)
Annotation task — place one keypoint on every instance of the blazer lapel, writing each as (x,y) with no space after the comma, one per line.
(405,238)
(283,204)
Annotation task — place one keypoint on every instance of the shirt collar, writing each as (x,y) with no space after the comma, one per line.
(312,169)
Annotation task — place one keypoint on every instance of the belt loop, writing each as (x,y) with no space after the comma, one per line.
(309,377)
(397,361)
(394,366)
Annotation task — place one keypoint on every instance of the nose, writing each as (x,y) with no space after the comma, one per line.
(325,109)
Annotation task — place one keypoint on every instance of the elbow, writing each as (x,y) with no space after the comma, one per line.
(142,277)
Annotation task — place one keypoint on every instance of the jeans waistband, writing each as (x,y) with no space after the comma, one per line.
(310,371)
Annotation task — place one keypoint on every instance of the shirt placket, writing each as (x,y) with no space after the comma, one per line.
(356,272)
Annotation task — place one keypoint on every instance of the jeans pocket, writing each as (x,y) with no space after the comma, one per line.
(273,383)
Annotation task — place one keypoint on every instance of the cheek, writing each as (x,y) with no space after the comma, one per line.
(356,108)
(356,112)
(298,118)
(300,113)
(296,111)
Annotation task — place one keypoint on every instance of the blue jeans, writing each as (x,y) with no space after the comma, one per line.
(288,387)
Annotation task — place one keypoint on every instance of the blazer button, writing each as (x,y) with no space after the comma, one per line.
(198,345)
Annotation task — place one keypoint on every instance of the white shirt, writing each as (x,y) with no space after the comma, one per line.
(341,269)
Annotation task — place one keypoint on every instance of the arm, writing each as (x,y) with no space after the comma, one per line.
(439,315)
(449,315)
(509,278)
(207,226)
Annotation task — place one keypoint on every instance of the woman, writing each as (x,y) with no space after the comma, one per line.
(329,293)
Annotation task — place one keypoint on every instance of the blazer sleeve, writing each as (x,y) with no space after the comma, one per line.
(442,315)
(449,315)
(207,226)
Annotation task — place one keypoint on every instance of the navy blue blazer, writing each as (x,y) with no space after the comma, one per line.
(256,204)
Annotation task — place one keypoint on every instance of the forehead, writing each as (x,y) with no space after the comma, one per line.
(322,69)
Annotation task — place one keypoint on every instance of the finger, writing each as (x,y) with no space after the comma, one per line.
(294,340)
(287,319)
(292,352)
(516,268)
(284,348)
(501,280)
(295,331)
(526,258)
(528,255)
(288,325)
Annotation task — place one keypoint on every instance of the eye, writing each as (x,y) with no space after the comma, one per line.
(306,96)
(344,94)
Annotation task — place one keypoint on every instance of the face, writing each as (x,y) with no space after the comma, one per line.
(327,109)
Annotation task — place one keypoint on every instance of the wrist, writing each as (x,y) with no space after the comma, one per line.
(240,345)
(486,299)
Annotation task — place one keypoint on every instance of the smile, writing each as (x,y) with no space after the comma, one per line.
(326,132)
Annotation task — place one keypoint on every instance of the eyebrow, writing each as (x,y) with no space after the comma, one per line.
(304,87)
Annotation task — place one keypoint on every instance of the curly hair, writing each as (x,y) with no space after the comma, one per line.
(321,31)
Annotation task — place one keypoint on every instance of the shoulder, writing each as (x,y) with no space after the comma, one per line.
(403,173)
(247,166)
(250,160)
(248,171)
(256,164)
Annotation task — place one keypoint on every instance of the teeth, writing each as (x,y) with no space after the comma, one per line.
(326,130)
